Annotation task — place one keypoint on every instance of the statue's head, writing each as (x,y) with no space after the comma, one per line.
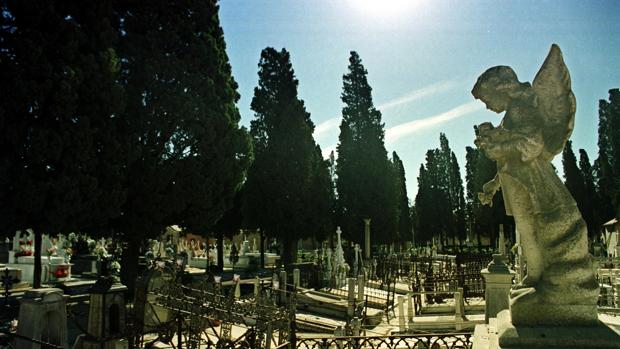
(495,87)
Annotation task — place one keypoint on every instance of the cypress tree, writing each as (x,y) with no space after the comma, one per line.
(574,181)
(607,165)
(364,178)
(484,220)
(404,214)
(432,202)
(187,154)
(288,169)
(59,169)
(458,199)
(591,213)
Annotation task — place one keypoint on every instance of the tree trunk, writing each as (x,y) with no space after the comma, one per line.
(36,278)
(289,251)
(262,249)
(129,266)
(220,251)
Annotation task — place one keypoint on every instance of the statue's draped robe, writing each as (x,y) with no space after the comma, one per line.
(553,233)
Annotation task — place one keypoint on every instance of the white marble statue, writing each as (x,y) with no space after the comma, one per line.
(560,287)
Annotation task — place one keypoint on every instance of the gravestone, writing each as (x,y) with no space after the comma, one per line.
(106,317)
(42,316)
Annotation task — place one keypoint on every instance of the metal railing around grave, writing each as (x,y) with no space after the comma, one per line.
(377,295)
(425,341)
(448,273)
(202,316)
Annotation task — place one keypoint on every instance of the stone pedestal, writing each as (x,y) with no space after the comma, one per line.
(500,333)
(106,317)
(498,280)
(42,316)
(351,297)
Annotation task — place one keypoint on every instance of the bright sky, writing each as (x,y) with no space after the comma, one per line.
(423,58)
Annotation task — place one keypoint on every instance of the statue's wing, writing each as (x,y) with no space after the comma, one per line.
(556,102)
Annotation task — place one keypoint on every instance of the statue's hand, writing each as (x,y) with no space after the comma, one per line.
(486,198)
(488,191)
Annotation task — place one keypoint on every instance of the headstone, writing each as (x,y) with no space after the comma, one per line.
(106,317)
(42,316)
(356,250)
(340,265)
(47,247)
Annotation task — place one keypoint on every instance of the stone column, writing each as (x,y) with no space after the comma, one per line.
(498,279)
(360,288)
(351,298)
(237,281)
(367,238)
(501,248)
(282,287)
(401,314)
(459,309)
(296,277)
(410,311)
(256,286)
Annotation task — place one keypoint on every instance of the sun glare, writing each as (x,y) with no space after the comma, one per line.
(384,8)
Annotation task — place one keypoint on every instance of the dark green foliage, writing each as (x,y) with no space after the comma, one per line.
(575,183)
(590,212)
(441,195)
(404,214)
(365,181)
(288,191)
(187,155)
(483,220)
(431,203)
(607,166)
(60,167)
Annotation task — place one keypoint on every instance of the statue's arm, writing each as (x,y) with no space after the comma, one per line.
(526,143)
(488,191)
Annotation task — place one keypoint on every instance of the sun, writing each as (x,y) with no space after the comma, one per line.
(383,8)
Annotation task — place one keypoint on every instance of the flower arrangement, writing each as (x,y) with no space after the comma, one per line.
(51,251)
(25,248)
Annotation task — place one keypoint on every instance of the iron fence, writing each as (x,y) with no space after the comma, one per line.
(418,341)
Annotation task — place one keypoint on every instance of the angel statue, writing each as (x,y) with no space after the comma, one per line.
(560,287)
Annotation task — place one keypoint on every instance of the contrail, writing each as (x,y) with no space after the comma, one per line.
(396,132)
(435,88)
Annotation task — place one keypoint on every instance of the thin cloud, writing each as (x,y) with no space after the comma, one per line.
(429,90)
(396,132)
(326,126)
(407,98)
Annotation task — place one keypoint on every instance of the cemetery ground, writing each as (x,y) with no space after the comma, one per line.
(430,297)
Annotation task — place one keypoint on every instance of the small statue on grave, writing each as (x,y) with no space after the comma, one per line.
(560,286)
